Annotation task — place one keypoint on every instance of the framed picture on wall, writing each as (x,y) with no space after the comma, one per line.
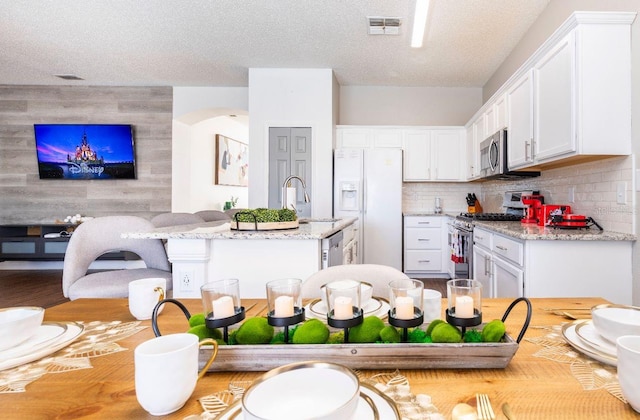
(232,162)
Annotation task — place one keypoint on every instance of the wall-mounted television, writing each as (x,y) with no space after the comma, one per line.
(85,151)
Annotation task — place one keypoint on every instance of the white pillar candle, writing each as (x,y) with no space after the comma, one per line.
(464,307)
(342,308)
(223,307)
(283,307)
(404,307)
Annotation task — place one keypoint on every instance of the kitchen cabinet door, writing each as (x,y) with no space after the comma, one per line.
(352,137)
(472,154)
(448,154)
(501,112)
(508,279)
(520,109)
(482,271)
(417,155)
(386,137)
(555,84)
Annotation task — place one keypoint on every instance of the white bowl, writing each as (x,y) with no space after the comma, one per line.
(18,324)
(613,321)
(305,390)
(366,291)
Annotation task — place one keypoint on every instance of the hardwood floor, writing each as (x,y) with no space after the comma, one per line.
(44,288)
(31,288)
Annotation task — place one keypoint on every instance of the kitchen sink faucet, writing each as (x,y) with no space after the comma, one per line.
(287,183)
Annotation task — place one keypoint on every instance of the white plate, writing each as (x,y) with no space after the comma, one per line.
(72,332)
(387,409)
(588,333)
(376,306)
(44,335)
(569,334)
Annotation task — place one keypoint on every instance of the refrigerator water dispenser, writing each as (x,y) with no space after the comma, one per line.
(348,196)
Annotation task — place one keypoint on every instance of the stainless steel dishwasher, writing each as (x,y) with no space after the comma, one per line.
(332,252)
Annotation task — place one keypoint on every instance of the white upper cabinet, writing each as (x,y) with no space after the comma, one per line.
(448,154)
(572,98)
(368,137)
(434,155)
(417,155)
(520,132)
(554,109)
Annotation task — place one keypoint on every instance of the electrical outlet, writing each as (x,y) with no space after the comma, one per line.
(187,280)
(621,193)
(571,195)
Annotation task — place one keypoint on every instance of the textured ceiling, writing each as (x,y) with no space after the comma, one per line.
(215,42)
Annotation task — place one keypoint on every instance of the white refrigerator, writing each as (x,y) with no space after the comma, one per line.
(367,184)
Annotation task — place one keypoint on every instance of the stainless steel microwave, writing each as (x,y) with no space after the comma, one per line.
(493,159)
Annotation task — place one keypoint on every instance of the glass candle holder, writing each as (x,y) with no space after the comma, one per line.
(406,298)
(344,309)
(284,303)
(221,302)
(284,297)
(464,301)
(343,299)
(221,299)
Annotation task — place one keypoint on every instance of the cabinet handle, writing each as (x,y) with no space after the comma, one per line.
(424,239)
(424,223)
(424,261)
(480,237)
(501,248)
(486,266)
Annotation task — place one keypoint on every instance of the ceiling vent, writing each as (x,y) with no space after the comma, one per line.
(379,25)
(68,76)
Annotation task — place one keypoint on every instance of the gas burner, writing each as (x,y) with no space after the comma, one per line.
(490,217)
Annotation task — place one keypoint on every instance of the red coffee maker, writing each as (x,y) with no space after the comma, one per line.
(534,204)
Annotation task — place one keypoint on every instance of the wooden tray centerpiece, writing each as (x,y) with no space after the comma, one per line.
(264,357)
(265,219)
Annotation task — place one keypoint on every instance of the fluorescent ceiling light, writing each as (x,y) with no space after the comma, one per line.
(419,23)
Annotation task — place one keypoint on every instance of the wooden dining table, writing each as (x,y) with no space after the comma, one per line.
(534,387)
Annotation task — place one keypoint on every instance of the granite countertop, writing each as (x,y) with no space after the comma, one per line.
(308,229)
(534,232)
(429,213)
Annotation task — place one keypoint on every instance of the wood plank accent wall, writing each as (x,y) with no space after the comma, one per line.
(25,198)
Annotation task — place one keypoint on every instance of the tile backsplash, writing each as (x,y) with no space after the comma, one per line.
(595,185)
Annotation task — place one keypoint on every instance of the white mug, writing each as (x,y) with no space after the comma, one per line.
(628,351)
(144,294)
(432,305)
(166,371)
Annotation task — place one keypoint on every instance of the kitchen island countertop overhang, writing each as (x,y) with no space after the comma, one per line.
(211,251)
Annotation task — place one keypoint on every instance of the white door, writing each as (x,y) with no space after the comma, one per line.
(417,155)
(555,93)
(448,152)
(509,279)
(382,207)
(482,271)
(520,131)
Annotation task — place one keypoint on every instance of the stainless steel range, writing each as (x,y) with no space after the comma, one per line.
(461,231)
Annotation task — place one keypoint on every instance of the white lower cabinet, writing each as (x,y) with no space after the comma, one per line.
(425,245)
(509,267)
(498,264)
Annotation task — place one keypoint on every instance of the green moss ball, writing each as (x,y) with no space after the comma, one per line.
(197,319)
(336,338)
(389,334)
(203,332)
(493,331)
(432,325)
(368,331)
(254,331)
(445,333)
(312,331)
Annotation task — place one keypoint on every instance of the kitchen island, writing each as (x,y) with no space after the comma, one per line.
(212,251)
